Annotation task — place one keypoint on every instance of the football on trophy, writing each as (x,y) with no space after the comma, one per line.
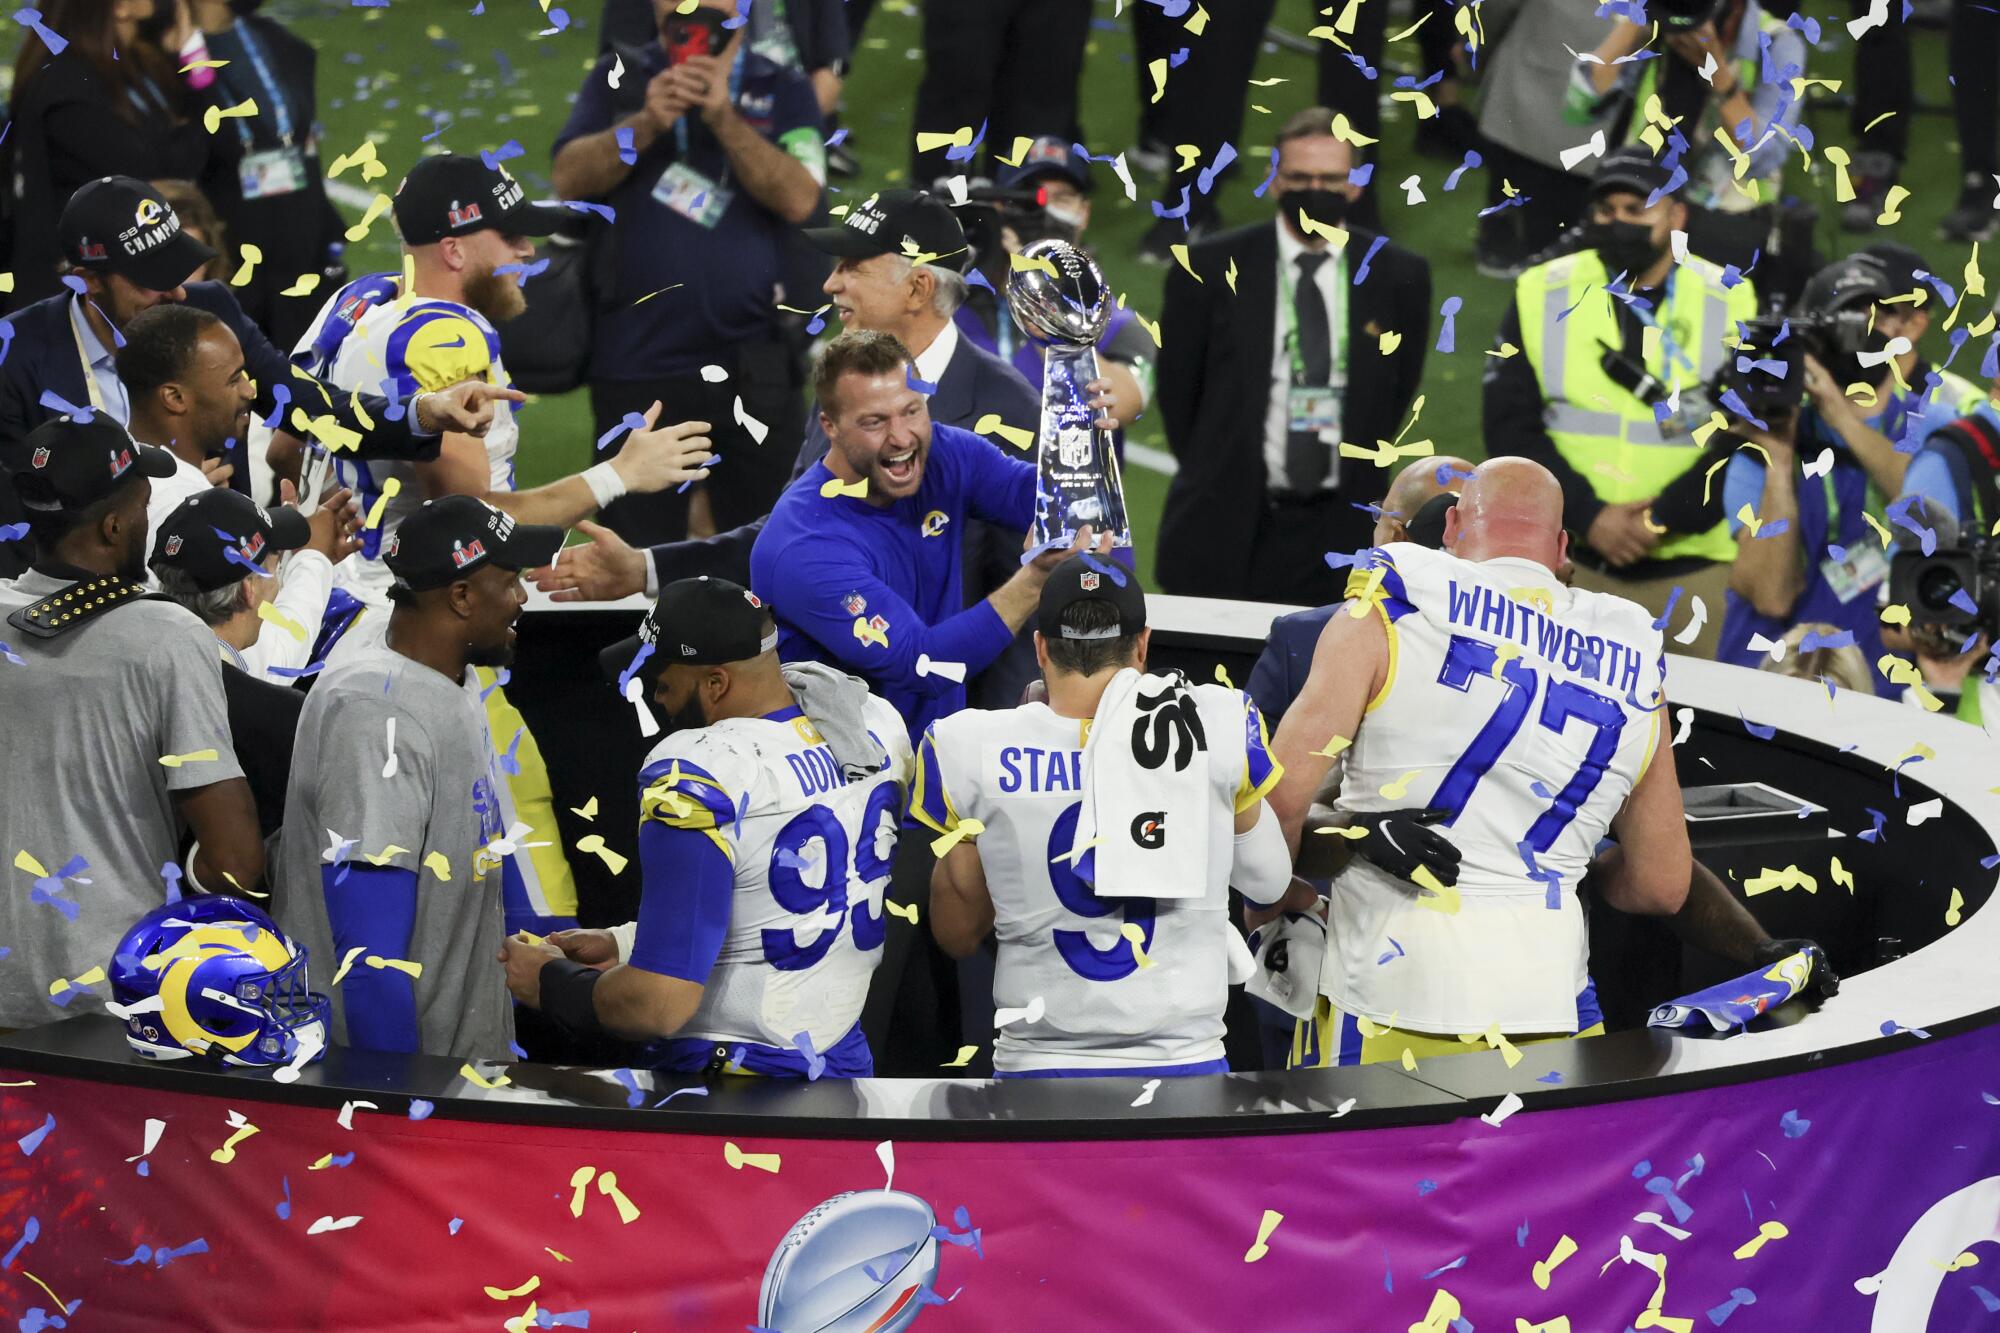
(1058,295)
(854,1263)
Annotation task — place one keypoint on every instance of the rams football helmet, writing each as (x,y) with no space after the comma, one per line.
(215,977)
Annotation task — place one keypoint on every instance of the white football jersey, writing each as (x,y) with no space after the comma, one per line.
(1528,710)
(396,348)
(812,854)
(1018,771)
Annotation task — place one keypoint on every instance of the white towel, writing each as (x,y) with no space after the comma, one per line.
(1143,830)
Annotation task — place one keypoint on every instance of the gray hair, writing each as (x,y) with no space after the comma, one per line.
(213,606)
(951,290)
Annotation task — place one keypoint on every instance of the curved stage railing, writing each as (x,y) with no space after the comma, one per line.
(1825,1170)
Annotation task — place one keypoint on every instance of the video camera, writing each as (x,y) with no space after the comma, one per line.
(988,208)
(1834,322)
(1956,587)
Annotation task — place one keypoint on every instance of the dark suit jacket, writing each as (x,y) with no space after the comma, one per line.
(263,721)
(42,357)
(1281,671)
(1214,376)
(975,382)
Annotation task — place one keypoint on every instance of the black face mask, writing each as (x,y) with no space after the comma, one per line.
(1327,206)
(1625,247)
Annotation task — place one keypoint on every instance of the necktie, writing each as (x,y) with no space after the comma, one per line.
(1307,457)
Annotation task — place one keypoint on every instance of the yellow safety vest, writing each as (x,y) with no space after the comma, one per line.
(1602,429)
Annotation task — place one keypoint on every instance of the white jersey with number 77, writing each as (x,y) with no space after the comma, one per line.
(1526,711)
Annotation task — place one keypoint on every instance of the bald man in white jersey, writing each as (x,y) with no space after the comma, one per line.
(1527,717)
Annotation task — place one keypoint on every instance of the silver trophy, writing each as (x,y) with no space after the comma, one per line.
(1062,304)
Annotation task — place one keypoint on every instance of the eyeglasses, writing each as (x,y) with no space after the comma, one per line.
(1321,180)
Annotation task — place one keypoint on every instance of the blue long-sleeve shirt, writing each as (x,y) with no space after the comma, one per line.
(873,589)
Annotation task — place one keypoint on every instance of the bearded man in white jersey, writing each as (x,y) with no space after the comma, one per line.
(1098,835)
(1526,717)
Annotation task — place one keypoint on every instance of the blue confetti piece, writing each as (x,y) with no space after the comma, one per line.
(1890,1028)
(1554,1076)
(29,1233)
(1395,952)
(626,152)
(340,1159)
(1108,568)
(6,325)
(165,1255)
(1162,211)
(1987,1299)
(1521,1236)
(1426,1187)
(510,762)
(1223,157)
(631,421)
(837,138)
(142,1255)
(1273,175)
(456,1223)
(281,398)
(421,1109)
(1177,59)
(506,151)
(1472,159)
(605,211)
(1361,272)
(680,1092)
(32,19)
(967,152)
(633,1095)
(1773,528)
(1881,820)
(1448,336)
(922,386)
(33,1138)
(13,532)
(1435,1273)
(1761,732)
(569,1318)
(1663,1187)
(145,1168)
(1641,1171)
(1739,1297)
(1361,175)
(56,403)
(522,272)
(1794,1127)
(284,1206)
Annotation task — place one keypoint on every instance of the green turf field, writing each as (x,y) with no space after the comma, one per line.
(397,74)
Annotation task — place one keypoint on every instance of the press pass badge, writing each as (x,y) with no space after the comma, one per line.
(1314,407)
(693,195)
(1864,568)
(274,172)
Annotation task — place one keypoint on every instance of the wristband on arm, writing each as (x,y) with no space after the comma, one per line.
(569,996)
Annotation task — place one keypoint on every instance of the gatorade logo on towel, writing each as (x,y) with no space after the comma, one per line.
(1149,829)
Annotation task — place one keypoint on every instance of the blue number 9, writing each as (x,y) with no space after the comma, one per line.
(871,864)
(1084,958)
(782,949)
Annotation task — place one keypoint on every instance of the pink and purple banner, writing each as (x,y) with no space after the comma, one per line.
(1849,1198)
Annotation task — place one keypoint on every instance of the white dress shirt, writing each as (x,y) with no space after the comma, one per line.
(1277,416)
(103,389)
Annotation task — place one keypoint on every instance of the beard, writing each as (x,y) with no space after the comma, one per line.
(497,296)
(688,717)
(131,564)
(491,654)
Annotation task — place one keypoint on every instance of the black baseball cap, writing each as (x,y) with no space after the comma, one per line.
(221,537)
(456,536)
(699,622)
(1633,168)
(896,222)
(116,224)
(74,462)
(455,195)
(1047,156)
(1426,526)
(1084,577)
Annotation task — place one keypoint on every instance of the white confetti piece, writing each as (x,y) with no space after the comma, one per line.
(1124,174)
(1685,717)
(332,1224)
(885,1152)
(636,692)
(1498,1116)
(714,374)
(346,1117)
(948,670)
(757,429)
(1654,1219)
(152,1004)
(389,769)
(1697,617)
(1679,241)
(1146,1094)
(1413,190)
(1708,68)
(1877,15)
(1031,1012)
(310,1045)
(617,74)
(1775,647)
(1583,152)
(154,1128)
(1924,810)
(1342,1109)
(1820,466)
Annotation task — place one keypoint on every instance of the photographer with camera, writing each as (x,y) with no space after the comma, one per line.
(1046,195)
(1834,391)
(1947,577)
(1603,354)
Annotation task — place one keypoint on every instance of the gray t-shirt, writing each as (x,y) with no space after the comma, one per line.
(87,717)
(435,814)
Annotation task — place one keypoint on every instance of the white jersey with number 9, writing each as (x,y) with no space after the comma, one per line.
(1526,711)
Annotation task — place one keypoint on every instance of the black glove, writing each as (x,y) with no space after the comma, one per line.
(1399,841)
(1822,982)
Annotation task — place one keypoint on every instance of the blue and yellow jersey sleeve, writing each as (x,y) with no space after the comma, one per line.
(932,806)
(1261,769)
(436,345)
(681,794)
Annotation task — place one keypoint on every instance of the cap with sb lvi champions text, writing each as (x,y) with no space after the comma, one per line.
(74,462)
(116,224)
(220,537)
(456,536)
(1084,578)
(455,195)
(915,223)
(698,622)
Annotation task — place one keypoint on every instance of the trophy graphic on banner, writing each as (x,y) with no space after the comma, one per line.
(1059,300)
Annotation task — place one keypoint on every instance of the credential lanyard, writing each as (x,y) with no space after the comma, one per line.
(735,90)
(271,94)
(97,403)
(1336,318)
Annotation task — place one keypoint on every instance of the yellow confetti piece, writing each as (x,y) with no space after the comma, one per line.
(1843,187)
(1409,1060)
(252,256)
(594,844)
(1896,615)
(1346,831)
(1264,1229)
(929,141)
(1497,1040)
(578,1180)
(270,614)
(192,757)
(227,1152)
(471,1075)
(965,828)
(962,1059)
(868,632)
(403,965)
(588,810)
(1505,350)
(212,119)
(906,911)
(1965,1260)
(1180,254)
(1336,237)
(991,424)
(1158,69)
(1267,83)
(1334,746)
(1766,1233)
(307,284)
(45,1287)
(1152,329)
(1197,24)
(1395,791)
(738,1159)
(193,65)
(1135,935)
(1791,877)
(1440,898)
(857,490)
(391,486)
(1444,1310)
(560,1257)
(90,978)
(1955,913)
(1426,108)
(1880,531)
(326,430)
(6,282)
(1012,157)
(1563,1250)
(438,865)
(346,962)
(363,157)
(1389,342)
(23,861)
(376,208)
(1841,875)
(1346,133)
(384,856)
(1229,276)
(1222,676)
(1892,207)
(530,1285)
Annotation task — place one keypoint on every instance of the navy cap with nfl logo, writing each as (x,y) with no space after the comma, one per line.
(456,536)
(219,537)
(896,222)
(120,225)
(697,622)
(1083,578)
(75,462)
(455,195)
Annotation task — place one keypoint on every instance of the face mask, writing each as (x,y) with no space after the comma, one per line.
(1625,247)
(1071,218)
(1325,206)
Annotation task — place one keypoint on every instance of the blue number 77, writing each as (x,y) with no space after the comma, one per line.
(1466,659)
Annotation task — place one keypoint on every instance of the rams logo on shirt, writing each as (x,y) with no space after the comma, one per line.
(934,522)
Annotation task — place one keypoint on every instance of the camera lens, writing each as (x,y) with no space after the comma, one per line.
(1936,587)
